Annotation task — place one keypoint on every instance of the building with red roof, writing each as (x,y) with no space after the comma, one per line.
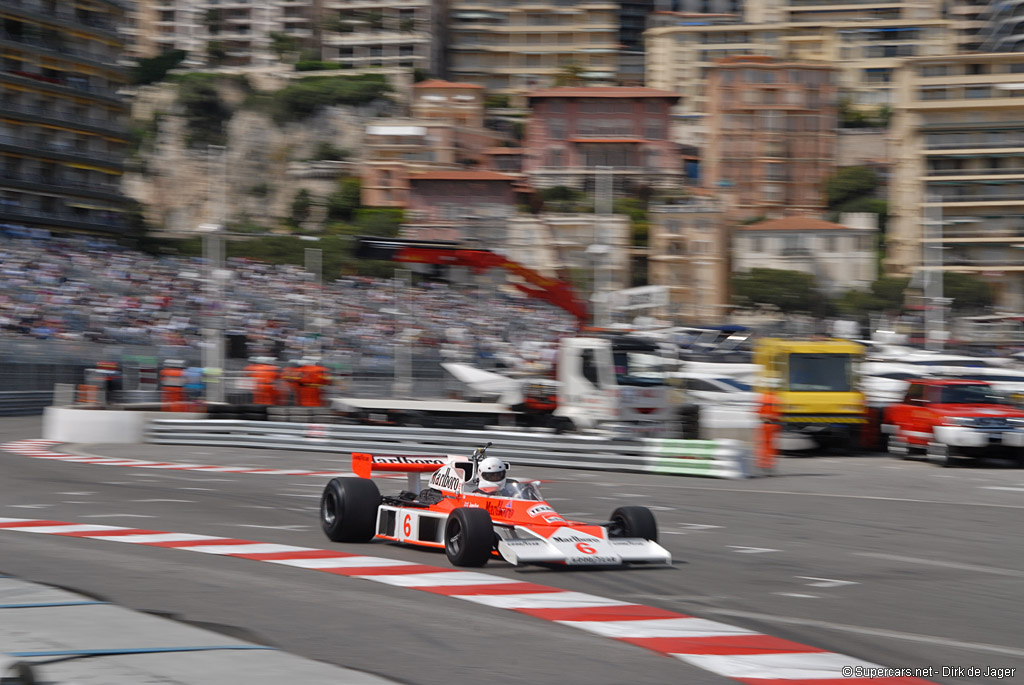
(841,256)
(573,131)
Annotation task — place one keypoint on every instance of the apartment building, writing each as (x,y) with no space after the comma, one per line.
(237,29)
(396,149)
(573,132)
(463,205)
(865,49)
(457,103)
(689,256)
(840,256)
(514,46)
(556,244)
(407,34)
(956,198)
(633,16)
(772,139)
(63,131)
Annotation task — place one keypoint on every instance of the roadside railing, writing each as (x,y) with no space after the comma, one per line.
(712,458)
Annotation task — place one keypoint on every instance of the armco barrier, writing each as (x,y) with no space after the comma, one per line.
(711,458)
(24,402)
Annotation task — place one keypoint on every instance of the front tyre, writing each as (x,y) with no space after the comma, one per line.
(348,509)
(633,522)
(469,537)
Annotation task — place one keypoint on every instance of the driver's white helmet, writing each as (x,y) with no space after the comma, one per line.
(492,474)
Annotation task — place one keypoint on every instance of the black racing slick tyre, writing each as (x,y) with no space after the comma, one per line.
(348,509)
(633,522)
(469,537)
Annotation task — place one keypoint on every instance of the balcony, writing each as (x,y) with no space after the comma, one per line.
(92,56)
(62,219)
(77,84)
(953,174)
(58,183)
(62,151)
(69,119)
(62,14)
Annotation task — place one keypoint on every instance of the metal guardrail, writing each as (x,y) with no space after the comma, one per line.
(714,458)
(24,402)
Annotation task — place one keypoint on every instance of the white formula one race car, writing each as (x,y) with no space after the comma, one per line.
(472,511)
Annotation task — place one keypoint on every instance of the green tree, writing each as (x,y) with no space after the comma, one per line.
(328,150)
(282,43)
(342,204)
(205,112)
(968,292)
(153,69)
(571,74)
(848,184)
(306,97)
(216,52)
(301,205)
(789,291)
(378,221)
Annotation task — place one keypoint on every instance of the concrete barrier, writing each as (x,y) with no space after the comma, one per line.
(71,424)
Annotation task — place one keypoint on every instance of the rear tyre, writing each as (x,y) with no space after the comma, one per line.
(469,537)
(633,522)
(348,509)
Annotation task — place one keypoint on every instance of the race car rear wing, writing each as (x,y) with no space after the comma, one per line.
(364,464)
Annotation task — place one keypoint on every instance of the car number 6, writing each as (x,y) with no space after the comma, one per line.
(585,548)
(407,527)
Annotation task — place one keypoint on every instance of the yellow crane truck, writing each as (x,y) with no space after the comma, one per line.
(816,386)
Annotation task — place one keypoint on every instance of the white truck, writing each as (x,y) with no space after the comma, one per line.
(598,382)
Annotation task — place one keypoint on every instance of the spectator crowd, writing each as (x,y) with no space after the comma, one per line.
(88,290)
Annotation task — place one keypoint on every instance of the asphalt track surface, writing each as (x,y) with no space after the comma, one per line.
(900,563)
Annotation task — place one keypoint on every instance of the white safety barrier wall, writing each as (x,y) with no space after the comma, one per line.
(711,458)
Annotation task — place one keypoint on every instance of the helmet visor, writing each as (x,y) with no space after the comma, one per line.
(493,477)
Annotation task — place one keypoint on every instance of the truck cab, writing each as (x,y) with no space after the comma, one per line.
(816,386)
(953,419)
(612,380)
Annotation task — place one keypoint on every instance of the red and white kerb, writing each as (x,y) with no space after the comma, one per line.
(743,655)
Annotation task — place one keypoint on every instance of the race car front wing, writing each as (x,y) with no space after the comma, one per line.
(574,550)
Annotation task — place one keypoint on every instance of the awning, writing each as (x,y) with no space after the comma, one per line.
(605,140)
(82,205)
(396,130)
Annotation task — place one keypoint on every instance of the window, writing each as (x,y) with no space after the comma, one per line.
(973,92)
(589,367)
(654,129)
(556,129)
(757,243)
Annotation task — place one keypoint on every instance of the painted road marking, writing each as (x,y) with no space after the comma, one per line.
(752,550)
(946,564)
(874,632)
(727,650)
(827,582)
(997,487)
(39,449)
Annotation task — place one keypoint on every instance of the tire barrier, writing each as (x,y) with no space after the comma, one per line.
(709,458)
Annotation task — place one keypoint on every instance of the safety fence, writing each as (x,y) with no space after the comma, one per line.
(25,402)
(711,458)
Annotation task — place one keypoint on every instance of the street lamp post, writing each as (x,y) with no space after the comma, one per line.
(934,313)
(604,190)
(402,351)
(314,263)
(213,253)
